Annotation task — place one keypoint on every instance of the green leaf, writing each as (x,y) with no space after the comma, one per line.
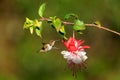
(31,30)
(51,21)
(33,24)
(41,9)
(57,24)
(70,15)
(28,23)
(79,32)
(79,25)
(40,25)
(37,24)
(62,32)
(97,23)
(38,29)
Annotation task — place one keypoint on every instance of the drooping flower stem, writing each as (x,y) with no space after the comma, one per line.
(87,25)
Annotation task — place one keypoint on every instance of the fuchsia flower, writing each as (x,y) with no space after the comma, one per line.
(75,55)
(73,45)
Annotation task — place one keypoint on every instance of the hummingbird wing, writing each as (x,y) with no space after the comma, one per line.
(55,48)
(52,42)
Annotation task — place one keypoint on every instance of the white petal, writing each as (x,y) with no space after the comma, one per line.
(66,54)
(80,57)
(77,59)
(84,58)
(83,52)
(70,57)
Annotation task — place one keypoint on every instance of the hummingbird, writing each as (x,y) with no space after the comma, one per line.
(48,46)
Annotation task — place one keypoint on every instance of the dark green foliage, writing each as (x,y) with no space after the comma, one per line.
(33,24)
(71,15)
(55,22)
(28,23)
(79,26)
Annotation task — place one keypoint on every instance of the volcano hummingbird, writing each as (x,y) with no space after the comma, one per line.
(48,46)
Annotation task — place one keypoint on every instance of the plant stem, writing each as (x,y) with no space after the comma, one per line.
(104,28)
(87,25)
(66,23)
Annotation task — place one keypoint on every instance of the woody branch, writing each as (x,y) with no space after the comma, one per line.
(87,25)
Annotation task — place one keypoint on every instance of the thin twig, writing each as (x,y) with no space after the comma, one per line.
(87,25)
(104,28)
(94,25)
(66,23)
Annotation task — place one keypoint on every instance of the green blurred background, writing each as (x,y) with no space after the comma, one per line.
(18,57)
